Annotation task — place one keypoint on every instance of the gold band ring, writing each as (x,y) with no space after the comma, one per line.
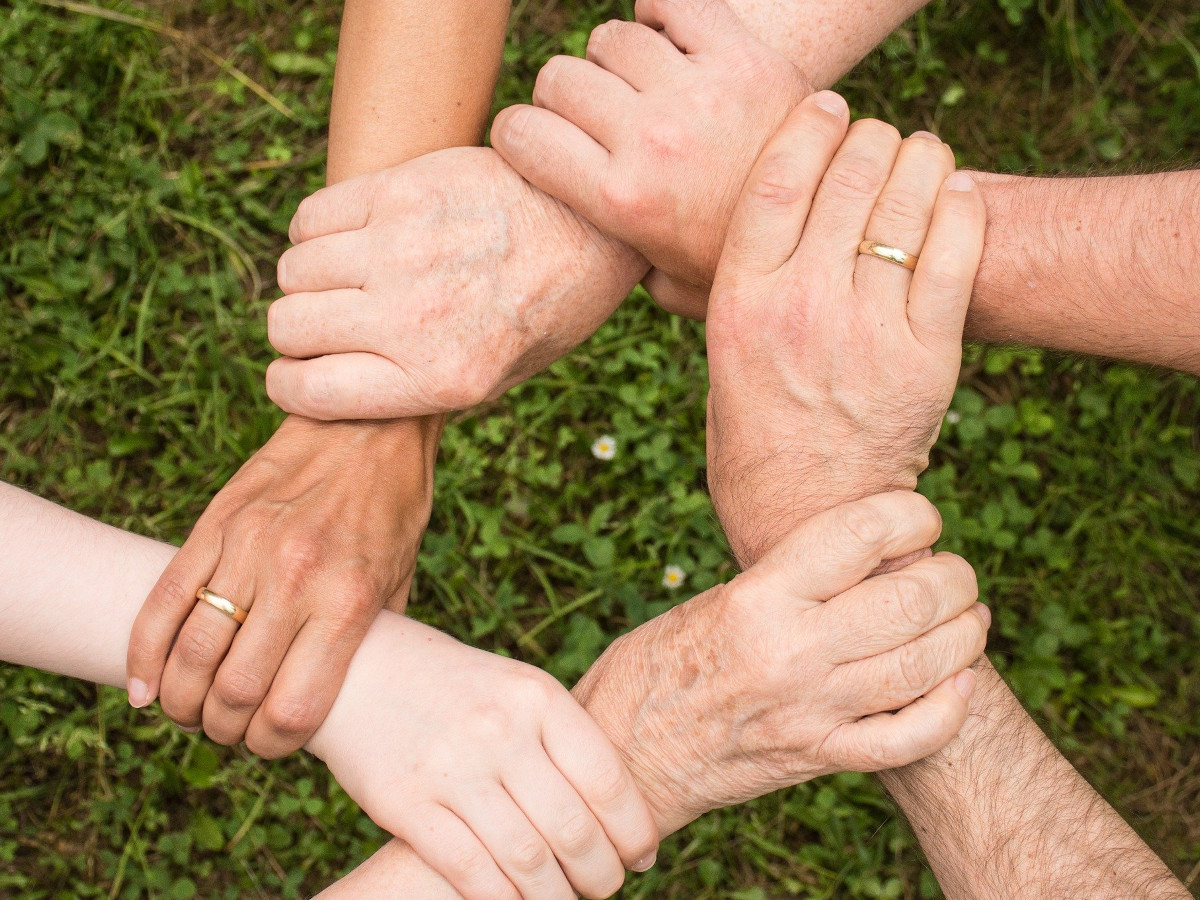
(216,601)
(891,254)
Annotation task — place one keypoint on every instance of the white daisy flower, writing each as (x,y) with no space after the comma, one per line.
(604,447)
(954,417)
(673,577)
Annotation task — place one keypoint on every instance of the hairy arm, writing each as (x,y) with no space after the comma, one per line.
(1106,266)
(1001,814)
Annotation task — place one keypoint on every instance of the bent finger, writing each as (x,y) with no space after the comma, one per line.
(592,766)
(445,842)
(896,678)
(346,386)
(305,686)
(836,549)
(693,26)
(775,202)
(327,263)
(345,206)
(677,297)
(556,157)
(578,841)
(889,610)
(891,740)
(515,844)
(592,99)
(165,610)
(244,677)
(941,285)
(639,56)
(202,643)
(320,323)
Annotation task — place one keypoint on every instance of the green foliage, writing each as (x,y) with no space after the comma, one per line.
(144,196)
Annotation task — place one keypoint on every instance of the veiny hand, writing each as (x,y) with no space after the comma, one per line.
(313,535)
(434,286)
(793,669)
(831,371)
(652,136)
(486,766)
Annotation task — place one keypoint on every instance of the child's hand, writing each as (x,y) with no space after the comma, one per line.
(486,766)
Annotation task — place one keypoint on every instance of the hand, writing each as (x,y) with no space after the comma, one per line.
(759,684)
(434,286)
(831,371)
(486,766)
(652,136)
(313,535)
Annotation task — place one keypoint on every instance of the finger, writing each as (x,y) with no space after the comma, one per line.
(887,611)
(941,286)
(638,55)
(345,206)
(445,842)
(692,25)
(677,297)
(578,841)
(776,198)
(245,675)
(896,678)
(202,643)
(340,260)
(890,740)
(166,609)
(317,324)
(848,194)
(357,386)
(836,549)
(901,219)
(592,766)
(308,680)
(556,157)
(518,848)
(589,97)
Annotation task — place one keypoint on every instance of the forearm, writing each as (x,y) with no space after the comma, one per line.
(1001,814)
(1104,266)
(824,40)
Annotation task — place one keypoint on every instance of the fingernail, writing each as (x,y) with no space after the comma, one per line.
(926,135)
(645,863)
(964,683)
(959,181)
(139,693)
(985,614)
(190,730)
(833,103)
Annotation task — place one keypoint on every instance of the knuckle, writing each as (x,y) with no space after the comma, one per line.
(610,786)
(513,124)
(877,132)
(548,77)
(667,139)
(777,179)
(912,669)
(172,593)
(196,648)
(578,834)
(912,598)
(300,226)
(623,198)
(603,35)
(863,527)
(856,176)
(292,716)
(300,553)
(607,883)
(240,690)
(900,207)
(529,854)
(945,279)
(468,861)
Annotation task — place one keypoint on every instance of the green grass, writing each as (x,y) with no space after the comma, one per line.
(144,195)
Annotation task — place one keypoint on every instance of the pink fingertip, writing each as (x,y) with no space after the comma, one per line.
(139,693)
(960,181)
(964,683)
(832,102)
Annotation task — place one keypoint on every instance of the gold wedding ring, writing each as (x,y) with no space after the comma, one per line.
(216,601)
(891,254)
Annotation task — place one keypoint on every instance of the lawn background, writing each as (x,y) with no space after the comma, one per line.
(151,155)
